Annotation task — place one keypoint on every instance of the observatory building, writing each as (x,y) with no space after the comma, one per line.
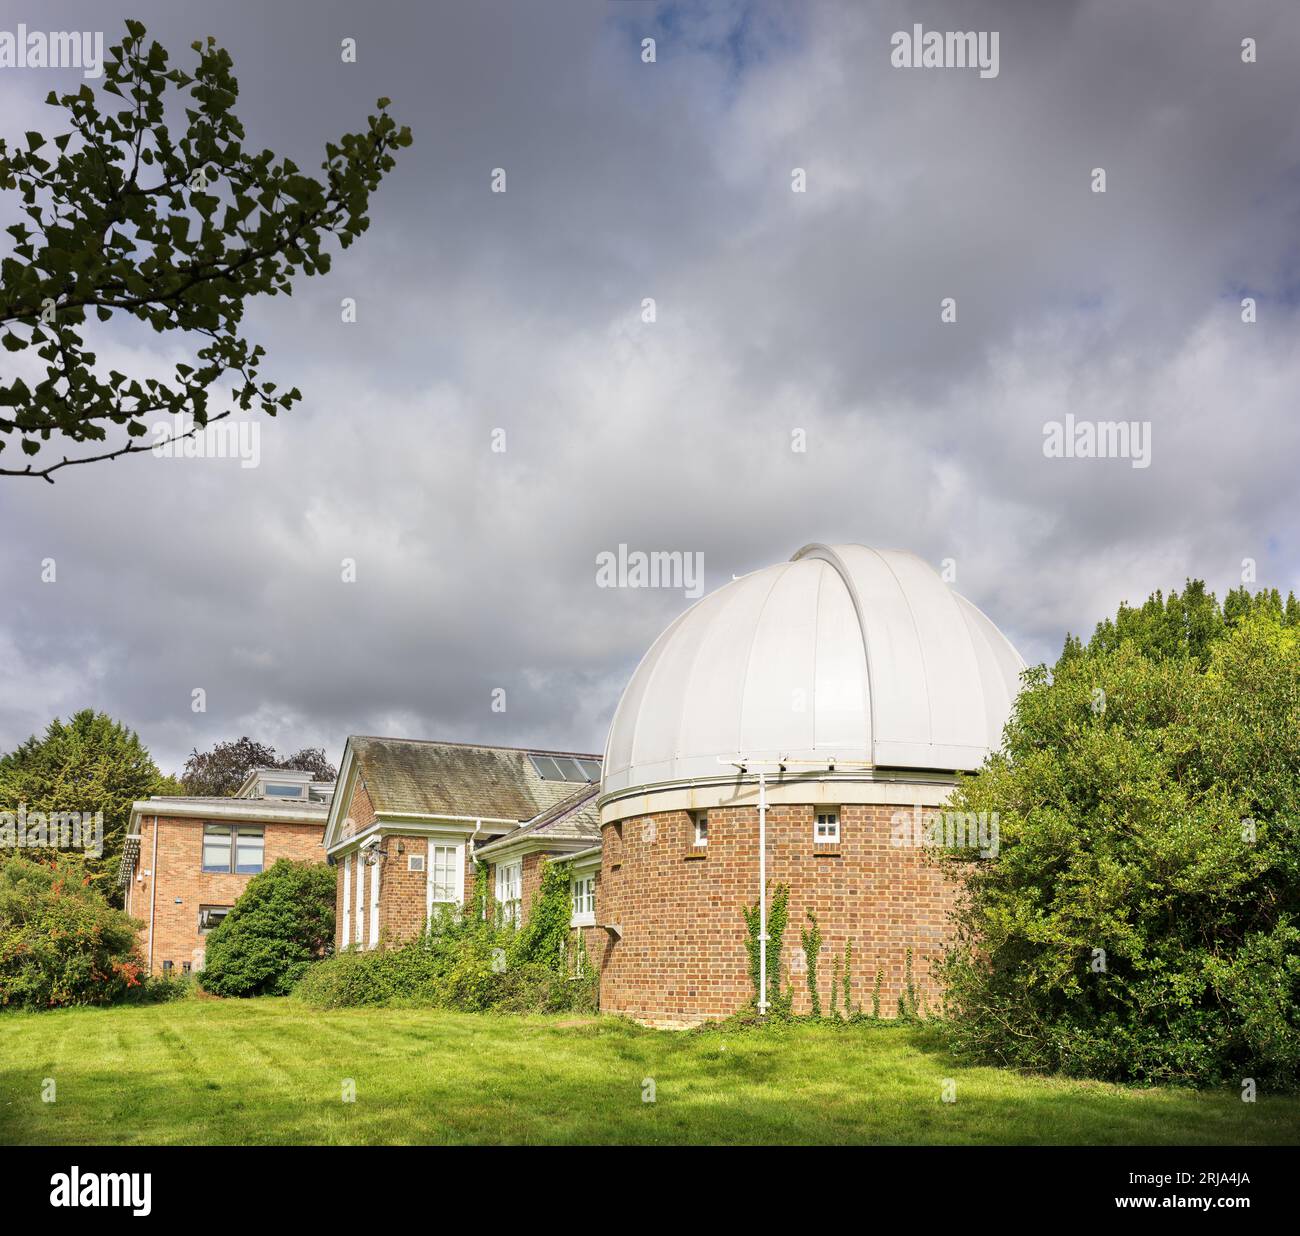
(822,705)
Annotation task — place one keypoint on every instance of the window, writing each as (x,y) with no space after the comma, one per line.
(233,847)
(347,900)
(373,913)
(508,892)
(443,872)
(565,768)
(415,862)
(359,913)
(702,829)
(278,789)
(827,828)
(583,891)
(250,848)
(210,916)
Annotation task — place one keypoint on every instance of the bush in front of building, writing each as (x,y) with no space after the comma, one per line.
(464,961)
(61,943)
(1140,920)
(283,921)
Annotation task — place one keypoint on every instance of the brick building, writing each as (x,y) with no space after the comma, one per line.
(187,859)
(825,705)
(412,818)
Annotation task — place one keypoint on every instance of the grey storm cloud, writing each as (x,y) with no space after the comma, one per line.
(776,312)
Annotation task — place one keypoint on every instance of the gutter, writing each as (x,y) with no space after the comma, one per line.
(831,768)
(235,809)
(153,890)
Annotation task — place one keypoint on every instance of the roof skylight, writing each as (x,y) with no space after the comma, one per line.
(565,768)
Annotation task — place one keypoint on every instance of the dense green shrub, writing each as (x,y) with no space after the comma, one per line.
(61,943)
(281,924)
(464,962)
(1140,920)
(544,938)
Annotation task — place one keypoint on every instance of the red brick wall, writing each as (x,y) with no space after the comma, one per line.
(360,813)
(682,955)
(402,892)
(530,884)
(180,875)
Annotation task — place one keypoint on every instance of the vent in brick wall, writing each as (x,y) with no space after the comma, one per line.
(415,862)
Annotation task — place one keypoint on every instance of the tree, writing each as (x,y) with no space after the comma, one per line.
(90,763)
(225,768)
(1185,624)
(179,233)
(1141,919)
(282,922)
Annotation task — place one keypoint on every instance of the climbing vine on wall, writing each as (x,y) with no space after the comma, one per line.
(544,937)
(479,899)
(811,937)
(778,915)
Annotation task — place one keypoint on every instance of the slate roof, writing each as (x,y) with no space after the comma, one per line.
(575,819)
(451,778)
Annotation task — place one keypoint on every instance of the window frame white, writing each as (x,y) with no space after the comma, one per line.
(373,923)
(359,917)
(700,830)
(582,899)
(346,937)
(431,871)
(826,819)
(508,889)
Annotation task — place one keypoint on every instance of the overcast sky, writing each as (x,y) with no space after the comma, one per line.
(776,311)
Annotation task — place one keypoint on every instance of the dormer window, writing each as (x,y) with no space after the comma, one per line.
(280,789)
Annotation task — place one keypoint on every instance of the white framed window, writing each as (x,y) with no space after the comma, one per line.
(445,876)
(827,828)
(374,902)
(700,827)
(415,862)
(346,937)
(508,890)
(359,917)
(582,890)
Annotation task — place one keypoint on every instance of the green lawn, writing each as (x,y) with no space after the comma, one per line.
(206,1071)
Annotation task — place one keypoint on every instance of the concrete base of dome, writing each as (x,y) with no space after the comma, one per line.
(681,957)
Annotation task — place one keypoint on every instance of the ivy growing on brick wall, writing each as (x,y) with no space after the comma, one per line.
(479,898)
(811,937)
(544,937)
(778,915)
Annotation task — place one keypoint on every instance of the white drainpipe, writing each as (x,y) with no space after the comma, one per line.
(762,893)
(153,890)
(743,765)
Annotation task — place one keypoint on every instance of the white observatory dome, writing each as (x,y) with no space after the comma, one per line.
(843,654)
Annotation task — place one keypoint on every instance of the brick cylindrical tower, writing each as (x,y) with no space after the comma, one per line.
(844,690)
